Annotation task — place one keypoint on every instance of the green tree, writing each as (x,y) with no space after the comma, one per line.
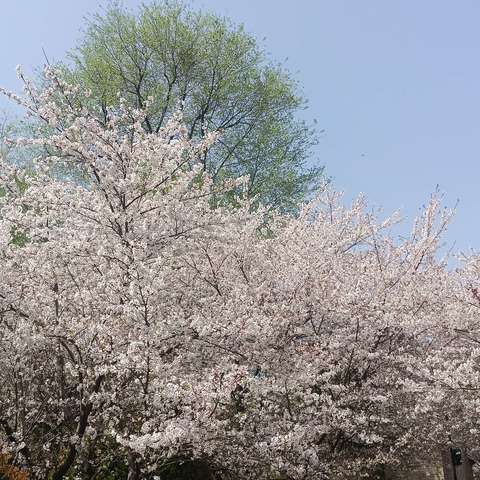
(219,77)
(7,129)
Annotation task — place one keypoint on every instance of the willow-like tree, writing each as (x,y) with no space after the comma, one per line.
(220,78)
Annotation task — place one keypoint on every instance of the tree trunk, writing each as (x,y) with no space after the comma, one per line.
(133,467)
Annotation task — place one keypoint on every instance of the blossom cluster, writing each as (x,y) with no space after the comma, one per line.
(142,312)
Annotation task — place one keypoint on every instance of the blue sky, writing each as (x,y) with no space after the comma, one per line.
(395,85)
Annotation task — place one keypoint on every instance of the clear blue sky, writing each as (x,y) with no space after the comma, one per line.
(395,85)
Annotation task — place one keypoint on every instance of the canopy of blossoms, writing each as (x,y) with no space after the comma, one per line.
(146,311)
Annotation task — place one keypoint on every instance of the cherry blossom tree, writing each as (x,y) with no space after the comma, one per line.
(141,313)
(454,376)
(99,271)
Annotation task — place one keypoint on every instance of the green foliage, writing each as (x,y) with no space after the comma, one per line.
(11,129)
(218,76)
(106,460)
(19,238)
(101,459)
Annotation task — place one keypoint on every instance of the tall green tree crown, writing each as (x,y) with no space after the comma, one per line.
(219,77)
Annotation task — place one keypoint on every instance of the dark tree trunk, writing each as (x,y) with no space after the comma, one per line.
(133,467)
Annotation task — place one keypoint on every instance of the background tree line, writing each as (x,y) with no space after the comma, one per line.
(214,72)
